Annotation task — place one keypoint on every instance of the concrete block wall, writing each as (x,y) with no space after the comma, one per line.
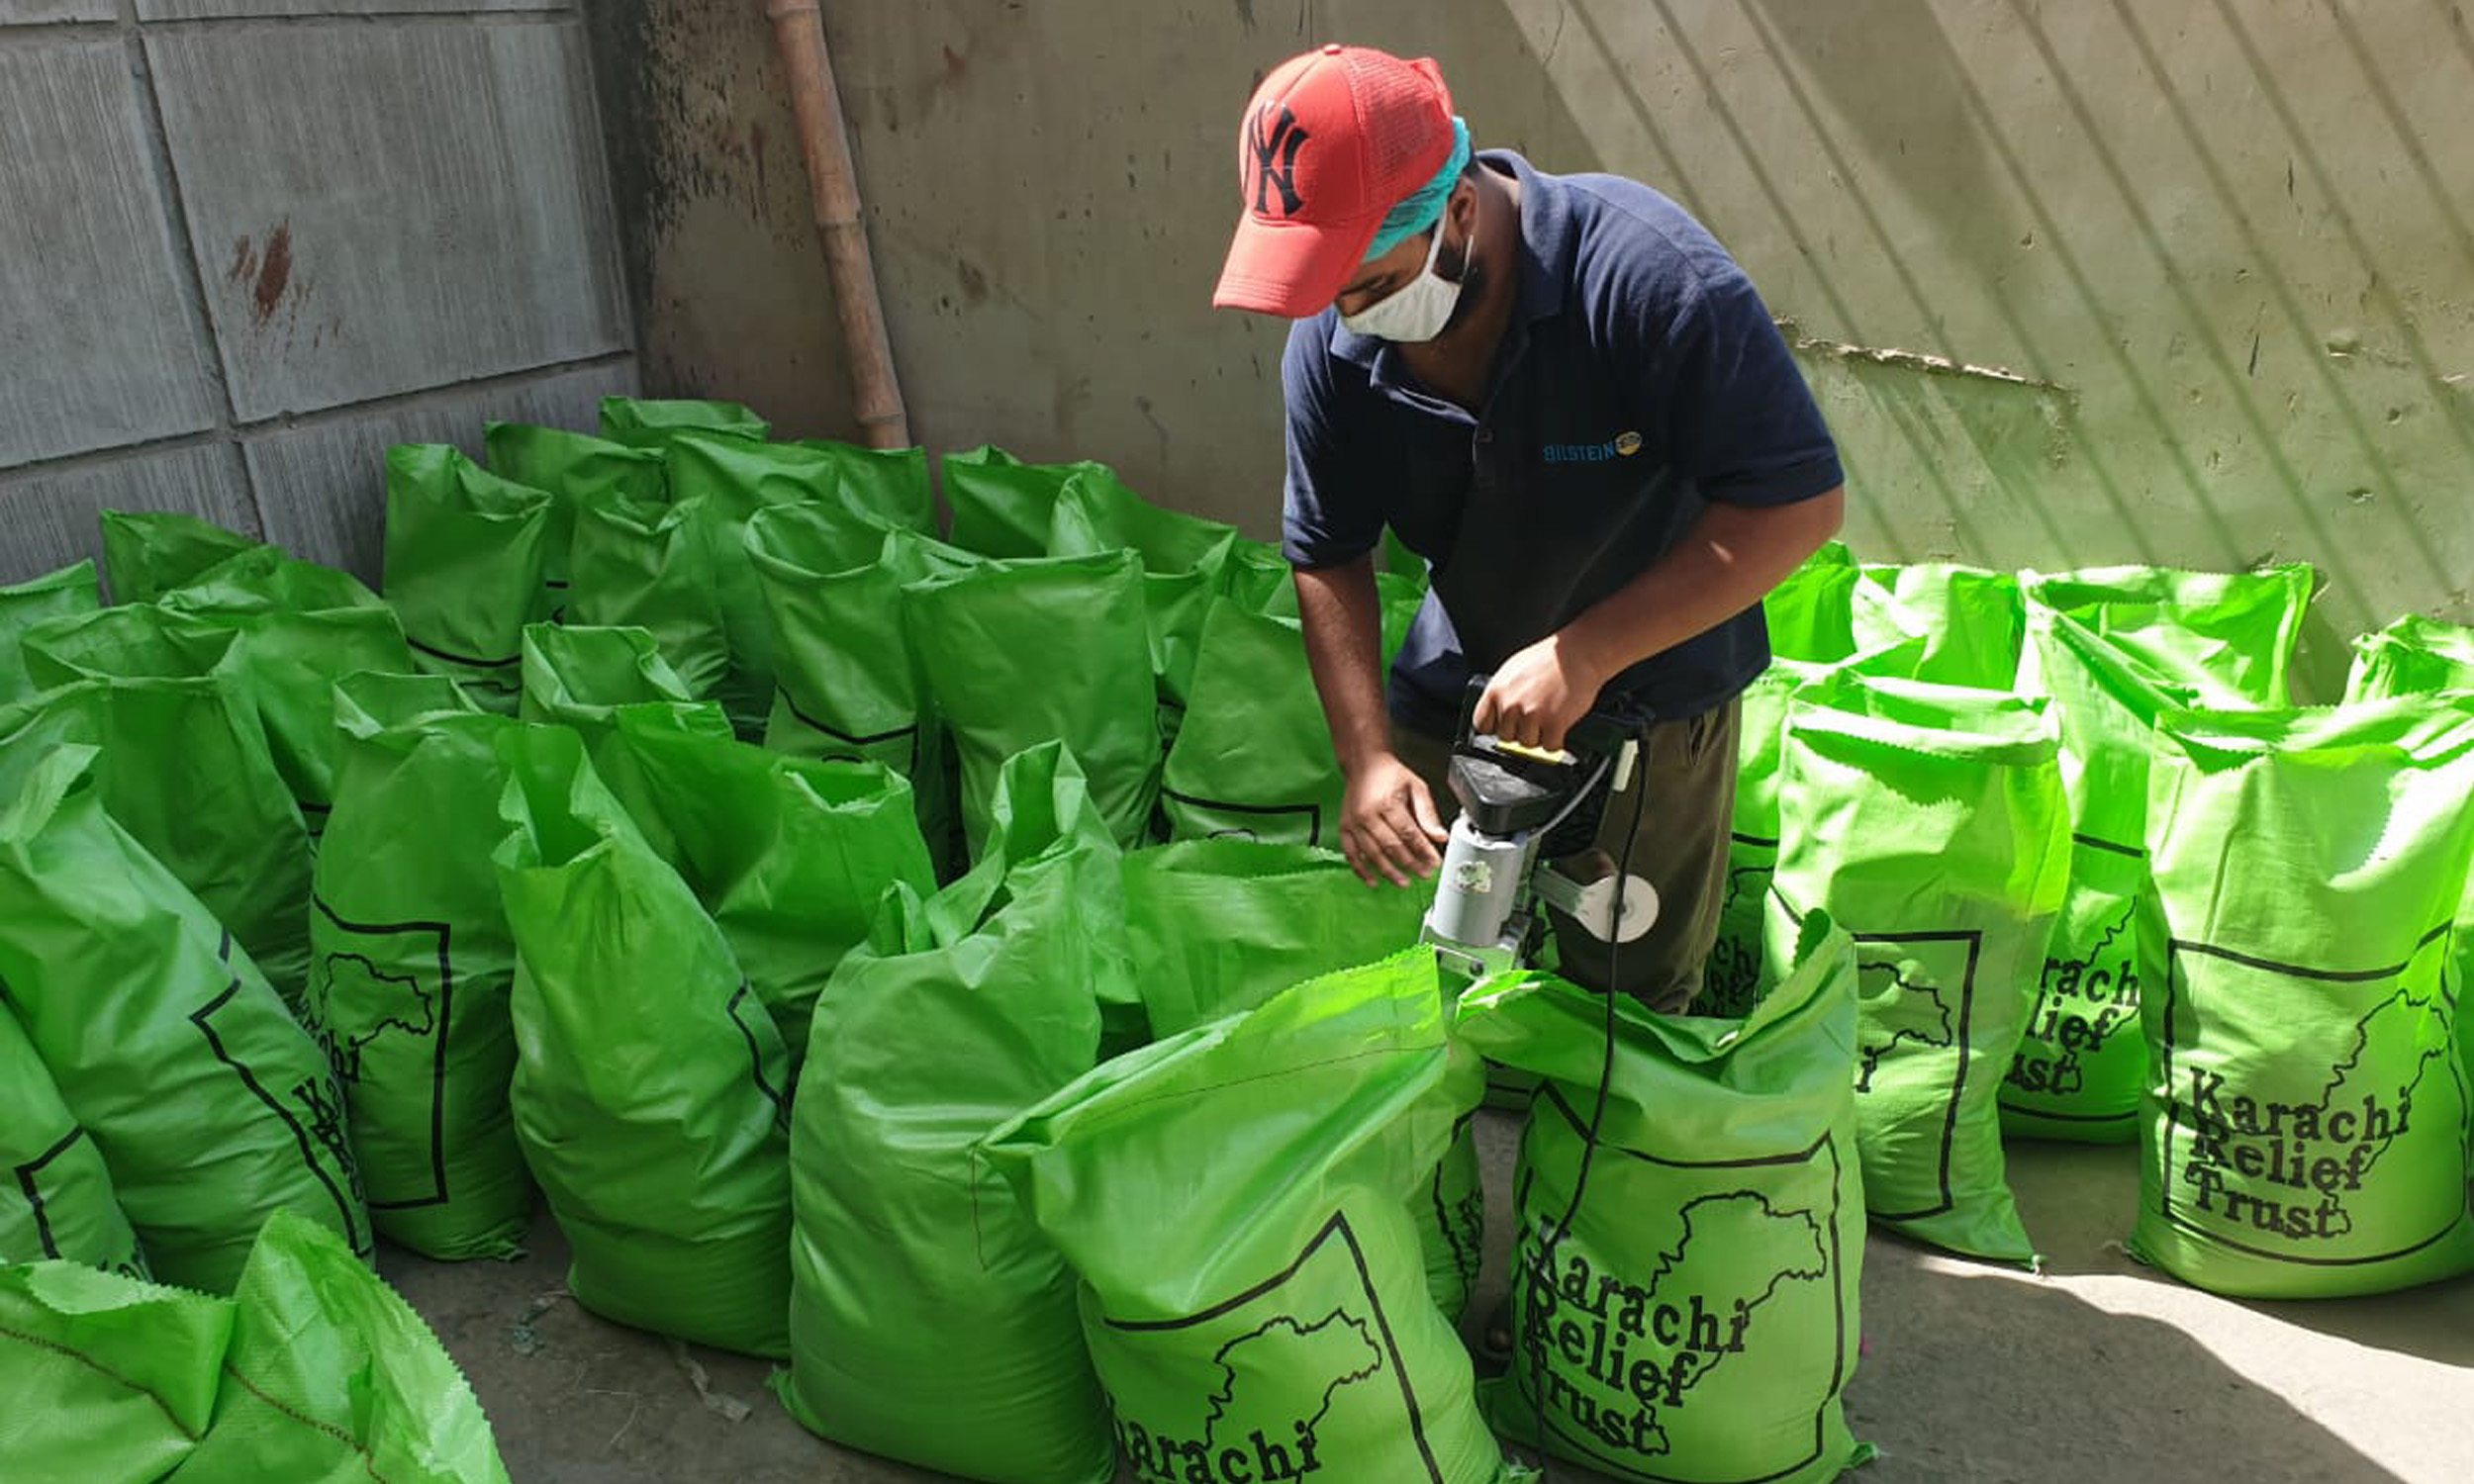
(246,244)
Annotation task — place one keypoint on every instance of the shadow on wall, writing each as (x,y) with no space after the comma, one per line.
(2208,259)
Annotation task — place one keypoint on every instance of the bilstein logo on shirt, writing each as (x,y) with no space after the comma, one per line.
(1622,446)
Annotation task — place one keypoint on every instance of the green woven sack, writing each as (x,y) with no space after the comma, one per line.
(64,594)
(580,677)
(788,856)
(1017,653)
(300,628)
(645,564)
(2414,656)
(465,554)
(1219,927)
(1973,620)
(956,1014)
(653,422)
(60,1203)
(184,767)
(165,1041)
(1182,559)
(1812,635)
(111,1379)
(1929,820)
(1005,507)
(332,1378)
(1044,821)
(571,468)
(282,660)
(848,686)
(147,553)
(735,479)
(2113,647)
(1255,575)
(2303,1134)
(1254,759)
(649,1079)
(1235,1201)
(413,964)
(1686,1282)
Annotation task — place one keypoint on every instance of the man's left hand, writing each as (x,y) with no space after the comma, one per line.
(1537,694)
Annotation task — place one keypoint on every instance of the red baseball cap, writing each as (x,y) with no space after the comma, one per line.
(1332,141)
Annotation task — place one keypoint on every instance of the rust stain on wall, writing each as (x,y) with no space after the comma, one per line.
(274,274)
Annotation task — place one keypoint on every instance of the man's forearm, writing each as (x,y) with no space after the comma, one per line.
(1343,620)
(1727,562)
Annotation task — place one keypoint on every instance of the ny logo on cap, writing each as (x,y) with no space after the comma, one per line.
(1275,158)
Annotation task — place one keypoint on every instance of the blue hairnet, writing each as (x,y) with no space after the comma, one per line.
(1424,205)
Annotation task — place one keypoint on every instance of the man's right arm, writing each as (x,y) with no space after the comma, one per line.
(1388,823)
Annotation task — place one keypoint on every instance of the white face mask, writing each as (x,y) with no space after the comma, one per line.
(1417,311)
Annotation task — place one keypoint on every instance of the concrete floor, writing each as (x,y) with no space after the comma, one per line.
(2098,1370)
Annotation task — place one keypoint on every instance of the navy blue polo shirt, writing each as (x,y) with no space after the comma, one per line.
(1640,380)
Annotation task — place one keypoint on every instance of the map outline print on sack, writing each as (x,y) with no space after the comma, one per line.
(1960,1044)
(1825,1224)
(345,1056)
(2288,1151)
(326,1104)
(1179,1456)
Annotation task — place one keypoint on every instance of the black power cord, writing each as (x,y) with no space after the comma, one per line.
(1543,1269)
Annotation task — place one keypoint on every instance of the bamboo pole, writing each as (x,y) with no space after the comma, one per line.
(832,183)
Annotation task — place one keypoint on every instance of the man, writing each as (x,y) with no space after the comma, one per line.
(1561,393)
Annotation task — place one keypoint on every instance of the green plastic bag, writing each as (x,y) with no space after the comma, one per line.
(1254,575)
(1254,759)
(732,480)
(2114,647)
(788,856)
(848,686)
(1812,636)
(332,1378)
(645,564)
(653,422)
(281,661)
(184,767)
(580,677)
(60,1203)
(1218,927)
(1929,820)
(1043,821)
(111,1379)
(890,484)
(1235,1201)
(570,468)
(955,1015)
(147,553)
(465,554)
(1974,622)
(212,1108)
(64,594)
(2305,1127)
(1182,559)
(301,629)
(2414,656)
(1699,1316)
(413,964)
(1005,507)
(649,1079)
(1019,652)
